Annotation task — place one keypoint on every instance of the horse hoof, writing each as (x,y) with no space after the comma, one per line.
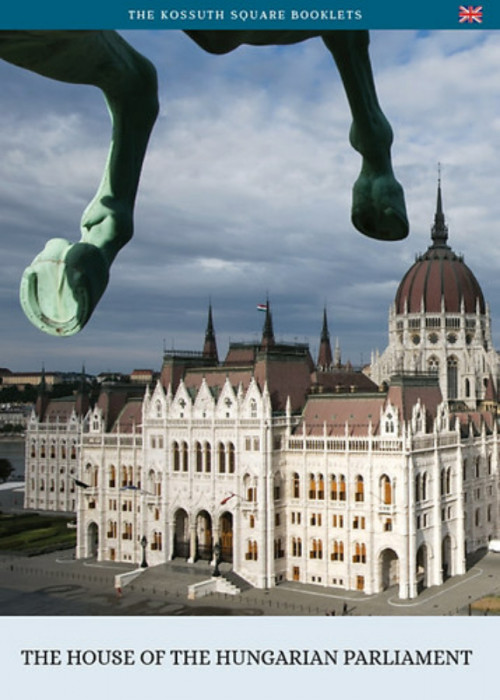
(378,208)
(62,286)
(390,225)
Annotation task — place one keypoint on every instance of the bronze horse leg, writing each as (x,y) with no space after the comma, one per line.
(378,207)
(62,286)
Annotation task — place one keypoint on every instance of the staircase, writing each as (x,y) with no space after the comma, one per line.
(239,583)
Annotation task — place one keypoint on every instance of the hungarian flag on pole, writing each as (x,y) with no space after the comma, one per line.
(81,484)
(261,307)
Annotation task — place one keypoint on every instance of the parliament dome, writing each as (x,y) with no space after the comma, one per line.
(439,280)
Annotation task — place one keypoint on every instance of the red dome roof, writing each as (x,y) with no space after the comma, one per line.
(439,275)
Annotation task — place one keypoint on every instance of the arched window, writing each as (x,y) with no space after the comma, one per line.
(337,551)
(296,485)
(296,547)
(452,375)
(359,491)
(252,552)
(112,476)
(176,457)
(359,556)
(333,488)
(312,486)
(316,551)
(433,365)
(467,388)
(221,455)
(418,492)
(386,490)
(185,456)
(199,457)
(208,457)
(424,486)
(231,458)
(342,492)
(321,487)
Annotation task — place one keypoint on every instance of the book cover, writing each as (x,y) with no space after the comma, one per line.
(245,199)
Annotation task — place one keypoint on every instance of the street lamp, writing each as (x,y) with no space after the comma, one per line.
(144,544)
(217,551)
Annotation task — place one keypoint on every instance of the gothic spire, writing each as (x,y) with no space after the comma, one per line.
(267,332)
(210,345)
(325,359)
(439,232)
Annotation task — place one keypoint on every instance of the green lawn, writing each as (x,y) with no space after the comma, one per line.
(31,533)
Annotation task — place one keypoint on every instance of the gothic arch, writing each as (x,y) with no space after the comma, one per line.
(181,534)
(388,568)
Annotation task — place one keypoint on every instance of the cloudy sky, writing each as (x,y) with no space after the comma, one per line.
(246,193)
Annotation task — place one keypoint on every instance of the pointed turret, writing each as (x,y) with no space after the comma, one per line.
(439,232)
(82,403)
(210,345)
(337,357)
(325,358)
(42,399)
(267,332)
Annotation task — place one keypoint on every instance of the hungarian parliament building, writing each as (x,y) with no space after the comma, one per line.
(295,468)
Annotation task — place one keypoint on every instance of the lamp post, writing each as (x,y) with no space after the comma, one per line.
(144,544)
(217,551)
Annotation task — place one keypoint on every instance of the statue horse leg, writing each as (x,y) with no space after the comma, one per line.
(62,286)
(378,207)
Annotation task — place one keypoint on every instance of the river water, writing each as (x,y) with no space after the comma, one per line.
(13,450)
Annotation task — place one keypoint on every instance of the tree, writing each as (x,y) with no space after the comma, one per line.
(6,469)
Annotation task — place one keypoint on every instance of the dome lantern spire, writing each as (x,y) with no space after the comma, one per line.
(439,232)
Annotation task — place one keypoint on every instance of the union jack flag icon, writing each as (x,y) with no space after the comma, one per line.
(470,14)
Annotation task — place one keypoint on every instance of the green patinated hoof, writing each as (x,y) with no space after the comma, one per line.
(378,209)
(62,286)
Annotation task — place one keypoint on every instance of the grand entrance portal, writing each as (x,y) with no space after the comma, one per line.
(226,537)
(389,569)
(181,535)
(204,536)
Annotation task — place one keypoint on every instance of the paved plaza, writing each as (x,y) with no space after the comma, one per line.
(57,584)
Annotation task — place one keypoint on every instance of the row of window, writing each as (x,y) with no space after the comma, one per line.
(445,480)
(338,488)
(52,486)
(337,550)
(225,456)
(50,451)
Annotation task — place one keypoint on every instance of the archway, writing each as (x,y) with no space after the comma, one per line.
(389,569)
(226,537)
(422,568)
(181,534)
(446,558)
(92,539)
(204,535)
